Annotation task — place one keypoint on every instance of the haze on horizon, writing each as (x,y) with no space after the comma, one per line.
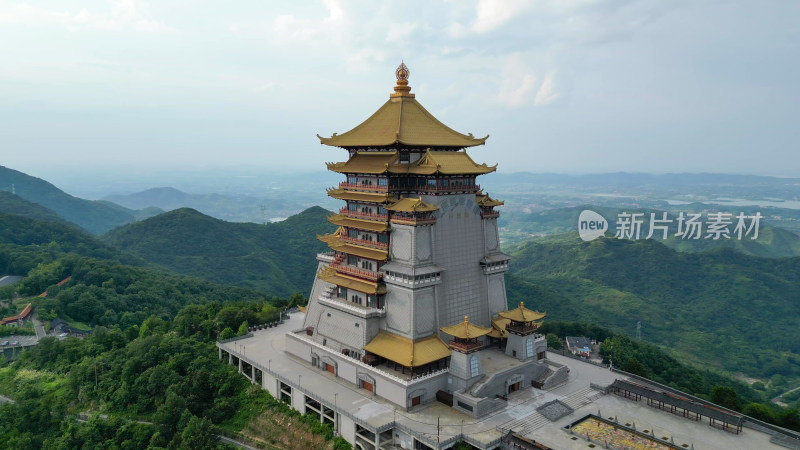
(583,86)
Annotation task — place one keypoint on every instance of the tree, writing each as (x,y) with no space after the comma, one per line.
(227,333)
(198,434)
(790,418)
(760,411)
(553,341)
(242,329)
(725,396)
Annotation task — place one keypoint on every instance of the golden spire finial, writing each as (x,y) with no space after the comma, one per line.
(402,89)
(521,305)
(466,319)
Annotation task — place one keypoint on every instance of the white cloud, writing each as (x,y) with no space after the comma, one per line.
(124,15)
(547,91)
(520,86)
(290,27)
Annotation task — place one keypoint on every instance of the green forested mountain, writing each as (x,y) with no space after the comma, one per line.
(721,307)
(27,242)
(14,204)
(277,258)
(773,241)
(95,217)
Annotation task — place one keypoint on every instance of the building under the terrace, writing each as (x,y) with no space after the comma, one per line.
(407,340)
(416,258)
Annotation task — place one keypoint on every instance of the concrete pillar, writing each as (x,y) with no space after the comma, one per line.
(230,359)
(252,374)
(240,365)
(220,353)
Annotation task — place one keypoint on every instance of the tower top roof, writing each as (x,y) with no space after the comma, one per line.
(402,122)
(522,314)
(466,330)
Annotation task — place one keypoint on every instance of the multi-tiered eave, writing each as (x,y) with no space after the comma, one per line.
(397,156)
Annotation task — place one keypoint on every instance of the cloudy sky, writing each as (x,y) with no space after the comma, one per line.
(571,86)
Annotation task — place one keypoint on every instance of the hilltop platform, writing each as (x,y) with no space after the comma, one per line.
(372,422)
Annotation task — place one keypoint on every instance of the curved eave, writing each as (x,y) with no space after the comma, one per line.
(331,276)
(342,194)
(466,331)
(402,122)
(338,245)
(368,225)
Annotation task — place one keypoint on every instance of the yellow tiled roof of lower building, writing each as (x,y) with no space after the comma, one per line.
(522,314)
(409,353)
(466,330)
(499,328)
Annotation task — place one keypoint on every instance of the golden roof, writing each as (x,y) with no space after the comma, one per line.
(484,200)
(466,330)
(343,194)
(522,314)
(338,245)
(411,205)
(407,352)
(433,162)
(361,224)
(499,328)
(330,275)
(365,162)
(443,162)
(402,122)
(302,309)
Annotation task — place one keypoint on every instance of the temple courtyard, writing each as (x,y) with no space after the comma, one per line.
(372,422)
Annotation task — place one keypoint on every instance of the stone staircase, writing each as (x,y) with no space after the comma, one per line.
(536,420)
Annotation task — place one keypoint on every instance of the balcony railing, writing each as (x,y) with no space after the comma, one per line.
(363,273)
(363,215)
(365,242)
(404,220)
(523,330)
(363,187)
(439,189)
(466,347)
(490,215)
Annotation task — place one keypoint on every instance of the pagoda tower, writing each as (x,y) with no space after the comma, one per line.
(416,248)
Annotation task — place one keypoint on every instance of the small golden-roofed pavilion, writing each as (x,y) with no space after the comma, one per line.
(466,330)
(407,353)
(522,320)
(466,335)
(412,205)
(402,122)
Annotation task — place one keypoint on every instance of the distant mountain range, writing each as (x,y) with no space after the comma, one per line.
(277,259)
(93,216)
(232,208)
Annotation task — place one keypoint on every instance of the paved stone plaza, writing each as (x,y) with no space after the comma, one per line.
(358,408)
